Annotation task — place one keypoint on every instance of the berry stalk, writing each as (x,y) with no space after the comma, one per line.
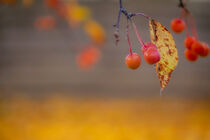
(187,22)
(128,37)
(138,35)
(193,26)
(142,14)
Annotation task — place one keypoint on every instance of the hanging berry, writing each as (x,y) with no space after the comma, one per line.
(161,51)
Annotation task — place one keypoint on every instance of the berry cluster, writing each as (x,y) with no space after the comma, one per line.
(194,47)
(149,50)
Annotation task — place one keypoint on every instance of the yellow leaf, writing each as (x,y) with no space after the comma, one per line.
(77,14)
(164,41)
(95,31)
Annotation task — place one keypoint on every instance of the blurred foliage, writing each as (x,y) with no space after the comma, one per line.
(77,16)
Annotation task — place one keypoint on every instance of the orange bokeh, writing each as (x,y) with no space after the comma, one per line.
(77,14)
(95,31)
(45,23)
(88,57)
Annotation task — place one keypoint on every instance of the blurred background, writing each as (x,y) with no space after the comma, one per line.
(44,94)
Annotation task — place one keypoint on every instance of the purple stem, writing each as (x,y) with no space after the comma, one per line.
(117,25)
(120,3)
(118,21)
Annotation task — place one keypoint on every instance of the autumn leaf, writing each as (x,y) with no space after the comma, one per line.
(95,31)
(164,41)
(77,14)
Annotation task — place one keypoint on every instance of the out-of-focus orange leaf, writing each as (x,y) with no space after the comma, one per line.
(164,41)
(77,14)
(52,3)
(8,1)
(45,23)
(88,57)
(62,10)
(27,3)
(95,31)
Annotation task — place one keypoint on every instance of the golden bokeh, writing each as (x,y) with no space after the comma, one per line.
(62,118)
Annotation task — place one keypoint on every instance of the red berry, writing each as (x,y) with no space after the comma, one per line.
(151,55)
(133,61)
(189,41)
(206,49)
(147,45)
(177,25)
(190,55)
(198,48)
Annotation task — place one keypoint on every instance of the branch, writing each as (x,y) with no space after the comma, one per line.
(181,4)
(121,4)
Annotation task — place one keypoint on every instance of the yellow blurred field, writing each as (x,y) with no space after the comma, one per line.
(65,118)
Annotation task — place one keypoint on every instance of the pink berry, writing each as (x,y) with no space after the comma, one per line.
(151,55)
(147,45)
